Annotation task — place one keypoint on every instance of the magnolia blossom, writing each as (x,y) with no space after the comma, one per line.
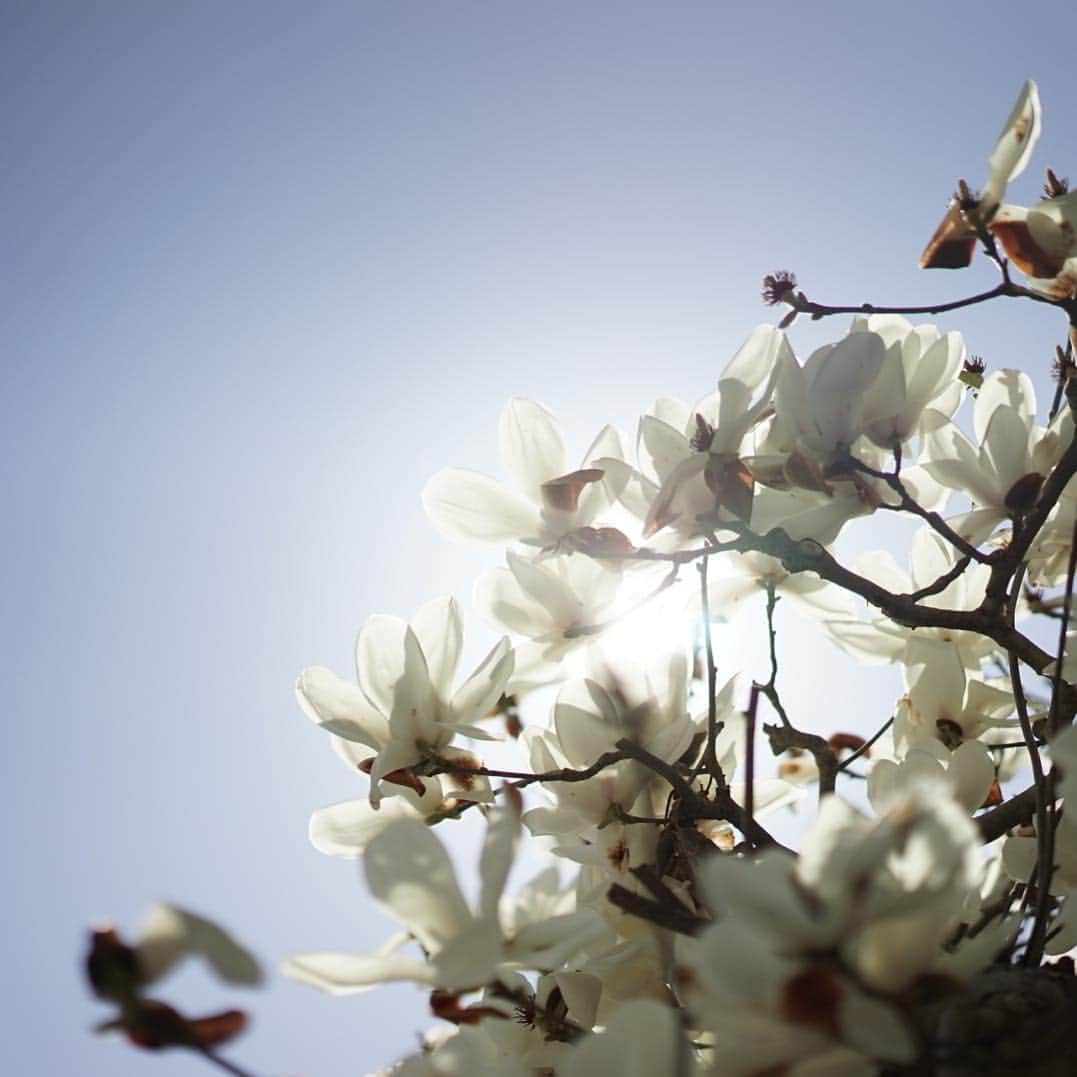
(1041,240)
(686,939)
(943,703)
(954,242)
(404,708)
(919,370)
(693,457)
(968,771)
(1004,473)
(550,501)
(559,604)
(820,406)
(588,720)
(758,573)
(879,896)
(409,872)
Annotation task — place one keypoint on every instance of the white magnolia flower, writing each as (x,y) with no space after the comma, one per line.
(690,459)
(1003,473)
(1040,240)
(954,242)
(648,706)
(409,872)
(795,943)
(968,771)
(560,604)
(820,406)
(919,371)
(942,702)
(404,707)
(549,501)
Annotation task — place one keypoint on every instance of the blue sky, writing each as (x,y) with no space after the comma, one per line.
(267,268)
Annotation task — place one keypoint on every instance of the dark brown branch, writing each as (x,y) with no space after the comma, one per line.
(784,737)
(674,918)
(522,778)
(1005,289)
(909,504)
(1017,811)
(694,805)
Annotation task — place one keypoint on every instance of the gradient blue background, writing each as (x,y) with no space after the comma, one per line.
(266,267)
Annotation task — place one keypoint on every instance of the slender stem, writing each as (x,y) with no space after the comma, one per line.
(710,754)
(910,504)
(1044,830)
(223,1063)
(522,778)
(1065,358)
(1006,288)
(943,581)
(866,747)
(1063,628)
(749,761)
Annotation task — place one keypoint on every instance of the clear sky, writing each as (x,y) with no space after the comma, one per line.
(266,267)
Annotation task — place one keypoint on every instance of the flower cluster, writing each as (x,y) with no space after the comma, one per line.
(669,930)
(687,937)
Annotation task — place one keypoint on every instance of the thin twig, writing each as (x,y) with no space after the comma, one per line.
(911,505)
(1044,831)
(800,303)
(675,919)
(866,747)
(710,753)
(522,779)
(750,715)
(1063,628)
(223,1063)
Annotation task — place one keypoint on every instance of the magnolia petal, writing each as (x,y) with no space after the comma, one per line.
(1015,143)
(652,1029)
(171,933)
(660,447)
(468,961)
(440,632)
(586,721)
(545,586)
(839,380)
(347,828)
(467,506)
(349,974)
(1003,388)
(498,853)
(972,773)
(410,873)
(673,412)
(339,707)
(415,712)
(532,448)
(936,678)
(379,659)
(502,601)
(477,695)
(581,992)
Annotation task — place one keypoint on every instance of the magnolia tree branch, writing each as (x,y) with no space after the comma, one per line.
(1005,289)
